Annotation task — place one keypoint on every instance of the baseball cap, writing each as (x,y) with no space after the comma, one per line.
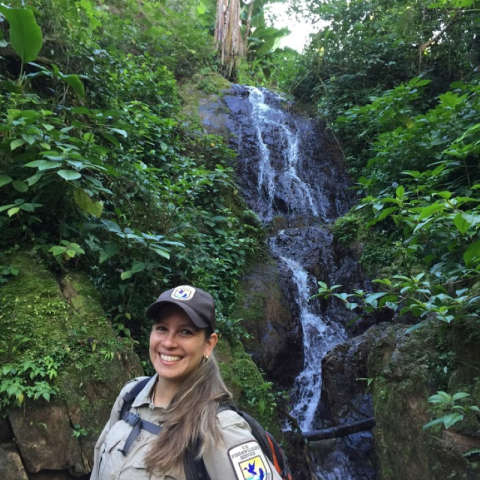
(196,303)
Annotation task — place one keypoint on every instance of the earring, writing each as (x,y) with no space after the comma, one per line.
(205,359)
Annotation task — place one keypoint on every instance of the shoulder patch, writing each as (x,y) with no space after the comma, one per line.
(249,462)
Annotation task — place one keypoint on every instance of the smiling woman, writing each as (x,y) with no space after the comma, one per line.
(181,413)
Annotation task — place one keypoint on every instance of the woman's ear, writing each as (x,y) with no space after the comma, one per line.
(211,342)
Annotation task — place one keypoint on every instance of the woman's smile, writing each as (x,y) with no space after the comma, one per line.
(177,346)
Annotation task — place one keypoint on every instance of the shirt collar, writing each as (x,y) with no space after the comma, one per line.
(143,398)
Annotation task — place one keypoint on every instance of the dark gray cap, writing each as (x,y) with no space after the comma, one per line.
(196,303)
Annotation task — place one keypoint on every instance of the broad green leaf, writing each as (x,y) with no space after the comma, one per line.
(111,138)
(126,274)
(471,253)
(20,186)
(446,195)
(160,251)
(6,207)
(17,143)
(428,211)
(450,99)
(121,132)
(452,419)
(83,200)
(431,424)
(461,223)
(34,179)
(57,250)
(75,82)
(400,192)
(109,251)
(5,180)
(111,226)
(460,395)
(138,267)
(69,174)
(42,164)
(13,211)
(386,212)
(30,139)
(25,34)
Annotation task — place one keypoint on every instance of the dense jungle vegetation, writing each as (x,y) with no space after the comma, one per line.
(398,82)
(99,171)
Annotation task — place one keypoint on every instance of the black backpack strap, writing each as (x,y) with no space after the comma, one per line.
(258,432)
(133,419)
(131,395)
(194,467)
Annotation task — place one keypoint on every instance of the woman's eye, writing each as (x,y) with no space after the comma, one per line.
(187,332)
(160,328)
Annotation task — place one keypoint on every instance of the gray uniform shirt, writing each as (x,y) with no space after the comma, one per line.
(238,458)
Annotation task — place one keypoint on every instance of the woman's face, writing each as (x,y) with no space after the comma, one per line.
(177,346)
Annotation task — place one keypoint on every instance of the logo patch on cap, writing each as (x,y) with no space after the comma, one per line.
(184,292)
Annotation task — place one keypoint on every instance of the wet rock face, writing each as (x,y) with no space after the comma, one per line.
(11,464)
(347,398)
(305,176)
(276,342)
(314,248)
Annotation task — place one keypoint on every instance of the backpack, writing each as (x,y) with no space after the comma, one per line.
(195,468)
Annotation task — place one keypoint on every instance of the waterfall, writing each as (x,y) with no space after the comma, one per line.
(292,184)
(298,194)
(277,133)
(318,338)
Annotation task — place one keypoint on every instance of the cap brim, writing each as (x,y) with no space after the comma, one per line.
(154,309)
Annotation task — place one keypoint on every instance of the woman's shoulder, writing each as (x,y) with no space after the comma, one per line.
(230,418)
(130,385)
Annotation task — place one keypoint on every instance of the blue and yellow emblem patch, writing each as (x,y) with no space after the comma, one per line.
(185,292)
(249,462)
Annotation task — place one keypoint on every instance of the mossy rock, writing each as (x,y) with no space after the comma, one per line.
(202,104)
(246,383)
(403,380)
(62,355)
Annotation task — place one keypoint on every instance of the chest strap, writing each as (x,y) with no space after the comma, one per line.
(137,424)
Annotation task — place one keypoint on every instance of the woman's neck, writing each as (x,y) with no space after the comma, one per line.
(163,392)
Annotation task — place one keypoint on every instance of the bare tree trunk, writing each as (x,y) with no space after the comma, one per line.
(228,37)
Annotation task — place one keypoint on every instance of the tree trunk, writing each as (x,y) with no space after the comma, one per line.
(228,37)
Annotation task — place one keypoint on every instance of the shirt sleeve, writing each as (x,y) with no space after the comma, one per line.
(240,456)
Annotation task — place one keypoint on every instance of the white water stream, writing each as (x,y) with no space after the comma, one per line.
(270,174)
(318,338)
(279,179)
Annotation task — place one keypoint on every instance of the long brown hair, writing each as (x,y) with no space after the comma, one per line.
(190,417)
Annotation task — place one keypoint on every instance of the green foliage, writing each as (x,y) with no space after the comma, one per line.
(28,379)
(99,175)
(449,403)
(25,34)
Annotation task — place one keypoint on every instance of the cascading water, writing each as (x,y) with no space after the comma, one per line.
(289,181)
(318,338)
(273,172)
(270,175)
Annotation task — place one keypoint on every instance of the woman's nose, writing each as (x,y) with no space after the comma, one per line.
(169,341)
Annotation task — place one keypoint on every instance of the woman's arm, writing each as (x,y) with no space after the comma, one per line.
(240,453)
